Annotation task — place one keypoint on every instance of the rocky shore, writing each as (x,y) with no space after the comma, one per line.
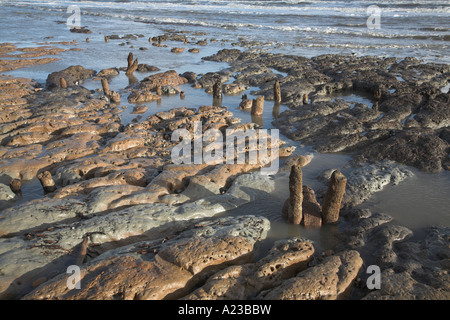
(142,227)
(406,119)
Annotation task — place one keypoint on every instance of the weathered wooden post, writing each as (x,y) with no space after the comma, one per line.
(132,65)
(333,197)
(158,90)
(114,97)
(105,87)
(258,106)
(377,94)
(47,181)
(16,186)
(292,209)
(276,109)
(312,217)
(305,98)
(62,83)
(277,91)
(217,90)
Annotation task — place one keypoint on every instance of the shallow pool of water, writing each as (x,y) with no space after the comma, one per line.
(270,207)
(31,190)
(418,202)
(354,97)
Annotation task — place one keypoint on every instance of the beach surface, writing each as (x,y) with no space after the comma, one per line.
(89,181)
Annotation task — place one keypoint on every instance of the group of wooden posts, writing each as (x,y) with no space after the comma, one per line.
(256,105)
(302,207)
(45,177)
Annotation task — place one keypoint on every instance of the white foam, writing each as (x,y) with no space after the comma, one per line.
(416,25)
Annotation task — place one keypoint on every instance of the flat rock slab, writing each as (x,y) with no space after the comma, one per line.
(72,75)
(62,243)
(412,268)
(326,281)
(160,269)
(284,260)
(366,180)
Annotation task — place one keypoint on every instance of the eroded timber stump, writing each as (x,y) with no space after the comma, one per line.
(217,90)
(62,83)
(333,197)
(277,91)
(312,211)
(258,106)
(105,87)
(16,186)
(132,65)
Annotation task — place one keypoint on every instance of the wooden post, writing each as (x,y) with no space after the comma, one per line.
(114,97)
(158,90)
(129,60)
(333,197)
(377,94)
(62,83)
(277,91)
(305,98)
(312,217)
(258,106)
(246,104)
(16,186)
(217,90)
(132,65)
(47,181)
(276,110)
(105,87)
(292,209)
